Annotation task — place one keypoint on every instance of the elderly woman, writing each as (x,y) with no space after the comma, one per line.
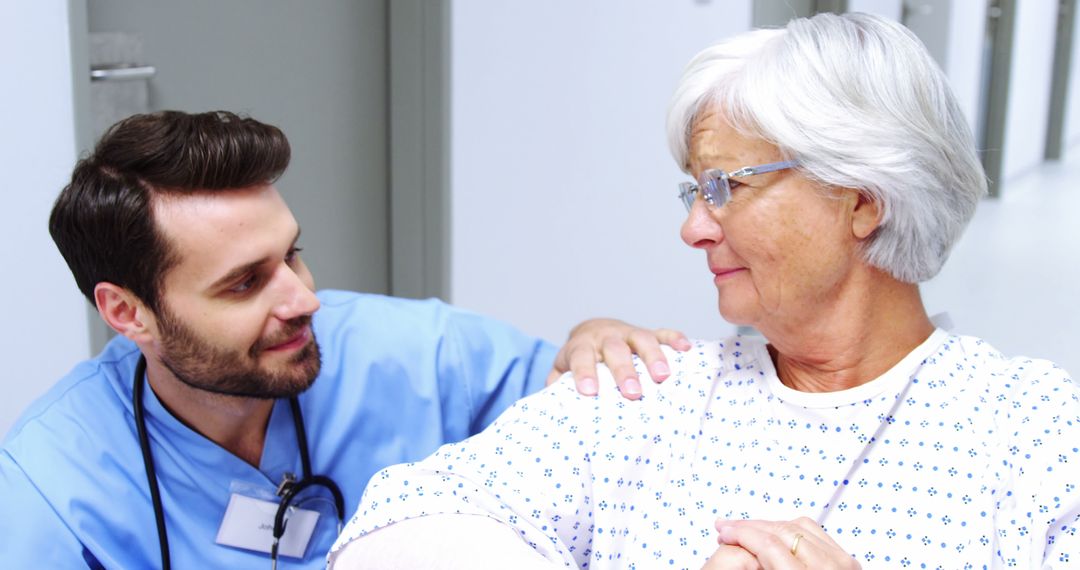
(834,171)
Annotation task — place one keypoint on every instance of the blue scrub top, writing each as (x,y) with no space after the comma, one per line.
(399,378)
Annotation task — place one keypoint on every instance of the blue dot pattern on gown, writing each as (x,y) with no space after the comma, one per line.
(955,458)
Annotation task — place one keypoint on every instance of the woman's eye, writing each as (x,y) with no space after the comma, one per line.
(293,253)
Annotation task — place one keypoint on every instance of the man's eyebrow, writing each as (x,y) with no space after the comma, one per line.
(241,270)
(237,273)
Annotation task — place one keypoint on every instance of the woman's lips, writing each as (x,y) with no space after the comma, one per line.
(723,273)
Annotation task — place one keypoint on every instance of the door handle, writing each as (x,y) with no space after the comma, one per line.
(122,72)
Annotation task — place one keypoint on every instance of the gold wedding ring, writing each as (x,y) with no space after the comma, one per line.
(795,543)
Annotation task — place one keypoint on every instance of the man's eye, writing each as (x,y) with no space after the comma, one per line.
(245,285)
(734,184)
(293,254)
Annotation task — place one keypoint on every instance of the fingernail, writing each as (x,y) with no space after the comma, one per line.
(632,386)
(660,370)
(589,386)
(726,534)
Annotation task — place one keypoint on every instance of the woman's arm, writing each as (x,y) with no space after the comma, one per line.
(441,542)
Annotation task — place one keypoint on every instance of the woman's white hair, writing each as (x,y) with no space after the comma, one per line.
(858,101)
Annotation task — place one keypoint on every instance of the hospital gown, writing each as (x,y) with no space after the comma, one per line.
(957,457)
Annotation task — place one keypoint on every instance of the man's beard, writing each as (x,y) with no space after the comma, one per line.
(203,366)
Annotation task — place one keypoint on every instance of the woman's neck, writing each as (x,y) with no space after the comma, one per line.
(864,332)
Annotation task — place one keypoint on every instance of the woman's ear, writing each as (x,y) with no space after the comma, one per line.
(866,215)
(123,311)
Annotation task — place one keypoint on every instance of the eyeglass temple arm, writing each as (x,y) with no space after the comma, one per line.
(771,167)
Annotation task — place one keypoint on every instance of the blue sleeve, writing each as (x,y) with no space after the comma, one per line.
(32,534)
(495,363)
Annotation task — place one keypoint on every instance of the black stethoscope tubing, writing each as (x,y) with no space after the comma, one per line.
(287,496)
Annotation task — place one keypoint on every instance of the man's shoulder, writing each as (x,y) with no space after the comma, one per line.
(73,425)
(352,309)
(359,331)
(398,323)
(340,300)
(69,461)
(92,389)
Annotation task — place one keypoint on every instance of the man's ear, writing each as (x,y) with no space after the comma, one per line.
(124,312)
(866,215)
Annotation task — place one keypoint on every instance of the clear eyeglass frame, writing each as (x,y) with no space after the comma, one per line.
(714,185)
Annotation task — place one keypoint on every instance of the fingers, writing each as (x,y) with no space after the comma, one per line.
(771,550)
(560,366)
(646,344)
(782,545)
(729,557)
(673,338)
(616,354)
(614,343)
(581,361)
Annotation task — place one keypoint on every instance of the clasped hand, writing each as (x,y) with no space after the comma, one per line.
(776,545)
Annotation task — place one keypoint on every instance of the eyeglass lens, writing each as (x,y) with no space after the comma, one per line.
(713,186)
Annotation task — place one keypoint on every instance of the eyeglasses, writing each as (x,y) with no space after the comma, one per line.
(715,185)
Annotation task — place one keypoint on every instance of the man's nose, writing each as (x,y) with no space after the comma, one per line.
(297,298)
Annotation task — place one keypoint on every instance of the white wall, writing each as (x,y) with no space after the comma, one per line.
(44,328)
(563,198)
(1029,87)
(1072,102)
(887,8)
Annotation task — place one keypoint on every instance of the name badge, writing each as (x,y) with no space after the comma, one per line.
(249,524)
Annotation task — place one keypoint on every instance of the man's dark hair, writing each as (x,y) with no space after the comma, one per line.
(103,221)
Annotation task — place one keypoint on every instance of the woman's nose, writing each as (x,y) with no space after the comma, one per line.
(701,228)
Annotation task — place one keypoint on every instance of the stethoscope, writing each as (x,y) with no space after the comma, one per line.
(288,490)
